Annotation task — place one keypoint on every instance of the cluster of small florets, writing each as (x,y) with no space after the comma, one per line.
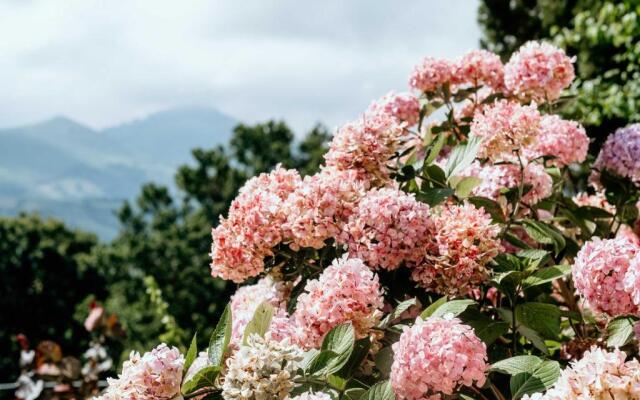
(318,209)
(539,72)
(346,291)
(474,69)
(598,375)
(504,128)
(312,396)
(495,178)
(465,241)
(261,369)
(247,298)
(156,375)
(620,155)
(253,226)
(389,227)
(431,74)
(564,140)
(479,67)
(366,144)
(605,272)
(437,356)
(404,107)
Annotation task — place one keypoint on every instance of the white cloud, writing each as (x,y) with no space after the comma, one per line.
(104,62)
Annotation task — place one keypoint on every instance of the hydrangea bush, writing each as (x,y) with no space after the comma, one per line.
(458,243)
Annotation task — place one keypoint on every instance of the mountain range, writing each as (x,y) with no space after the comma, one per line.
(62,168)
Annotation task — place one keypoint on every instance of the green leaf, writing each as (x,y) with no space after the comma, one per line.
(466,185)
(528,333)
(321,362)
(534,338)
(379,391)
(533,254)
(545,234)
(355,393)
(455,307)
(360,351)
(206,377)
(434,196)
(259,324)
(620,331)
(435,148)
(490,206)
(337,381)
(192,353)
(433,307)
(541,317)
(340,340)
(514,240)
(539,380)
(397,312)
(220,338)
(461,157)
(307,359)
(546,275)
(516,365)
(485,328)
(213,396)
(593,213)
(384,359)
(435,174)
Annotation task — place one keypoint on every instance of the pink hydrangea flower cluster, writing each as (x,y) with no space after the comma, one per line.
(565,140)
(465,241)
(154,376)
(599,374)
(538,71)
(435,357)
(318,209)
(620,154)
(346,291)
(505,127)
(367,145)
(604,273)
(404,107)
(253,226)
(479,67)
(431,74)
(497,177)
(389,227)
(247,298)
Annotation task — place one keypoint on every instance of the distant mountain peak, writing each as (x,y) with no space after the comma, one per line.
(168,136)
(64,168)
(178,115)
(60,122)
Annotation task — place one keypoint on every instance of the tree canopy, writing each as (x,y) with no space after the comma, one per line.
(602,35)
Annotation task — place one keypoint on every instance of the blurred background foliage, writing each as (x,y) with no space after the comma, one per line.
(154,274)
(604,36)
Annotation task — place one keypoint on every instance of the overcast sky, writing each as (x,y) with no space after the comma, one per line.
(105,62)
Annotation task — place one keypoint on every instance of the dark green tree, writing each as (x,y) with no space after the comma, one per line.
(506,25)
(604,37)
(44,277)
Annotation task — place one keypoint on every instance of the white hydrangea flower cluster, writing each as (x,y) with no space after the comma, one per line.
(261,370)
